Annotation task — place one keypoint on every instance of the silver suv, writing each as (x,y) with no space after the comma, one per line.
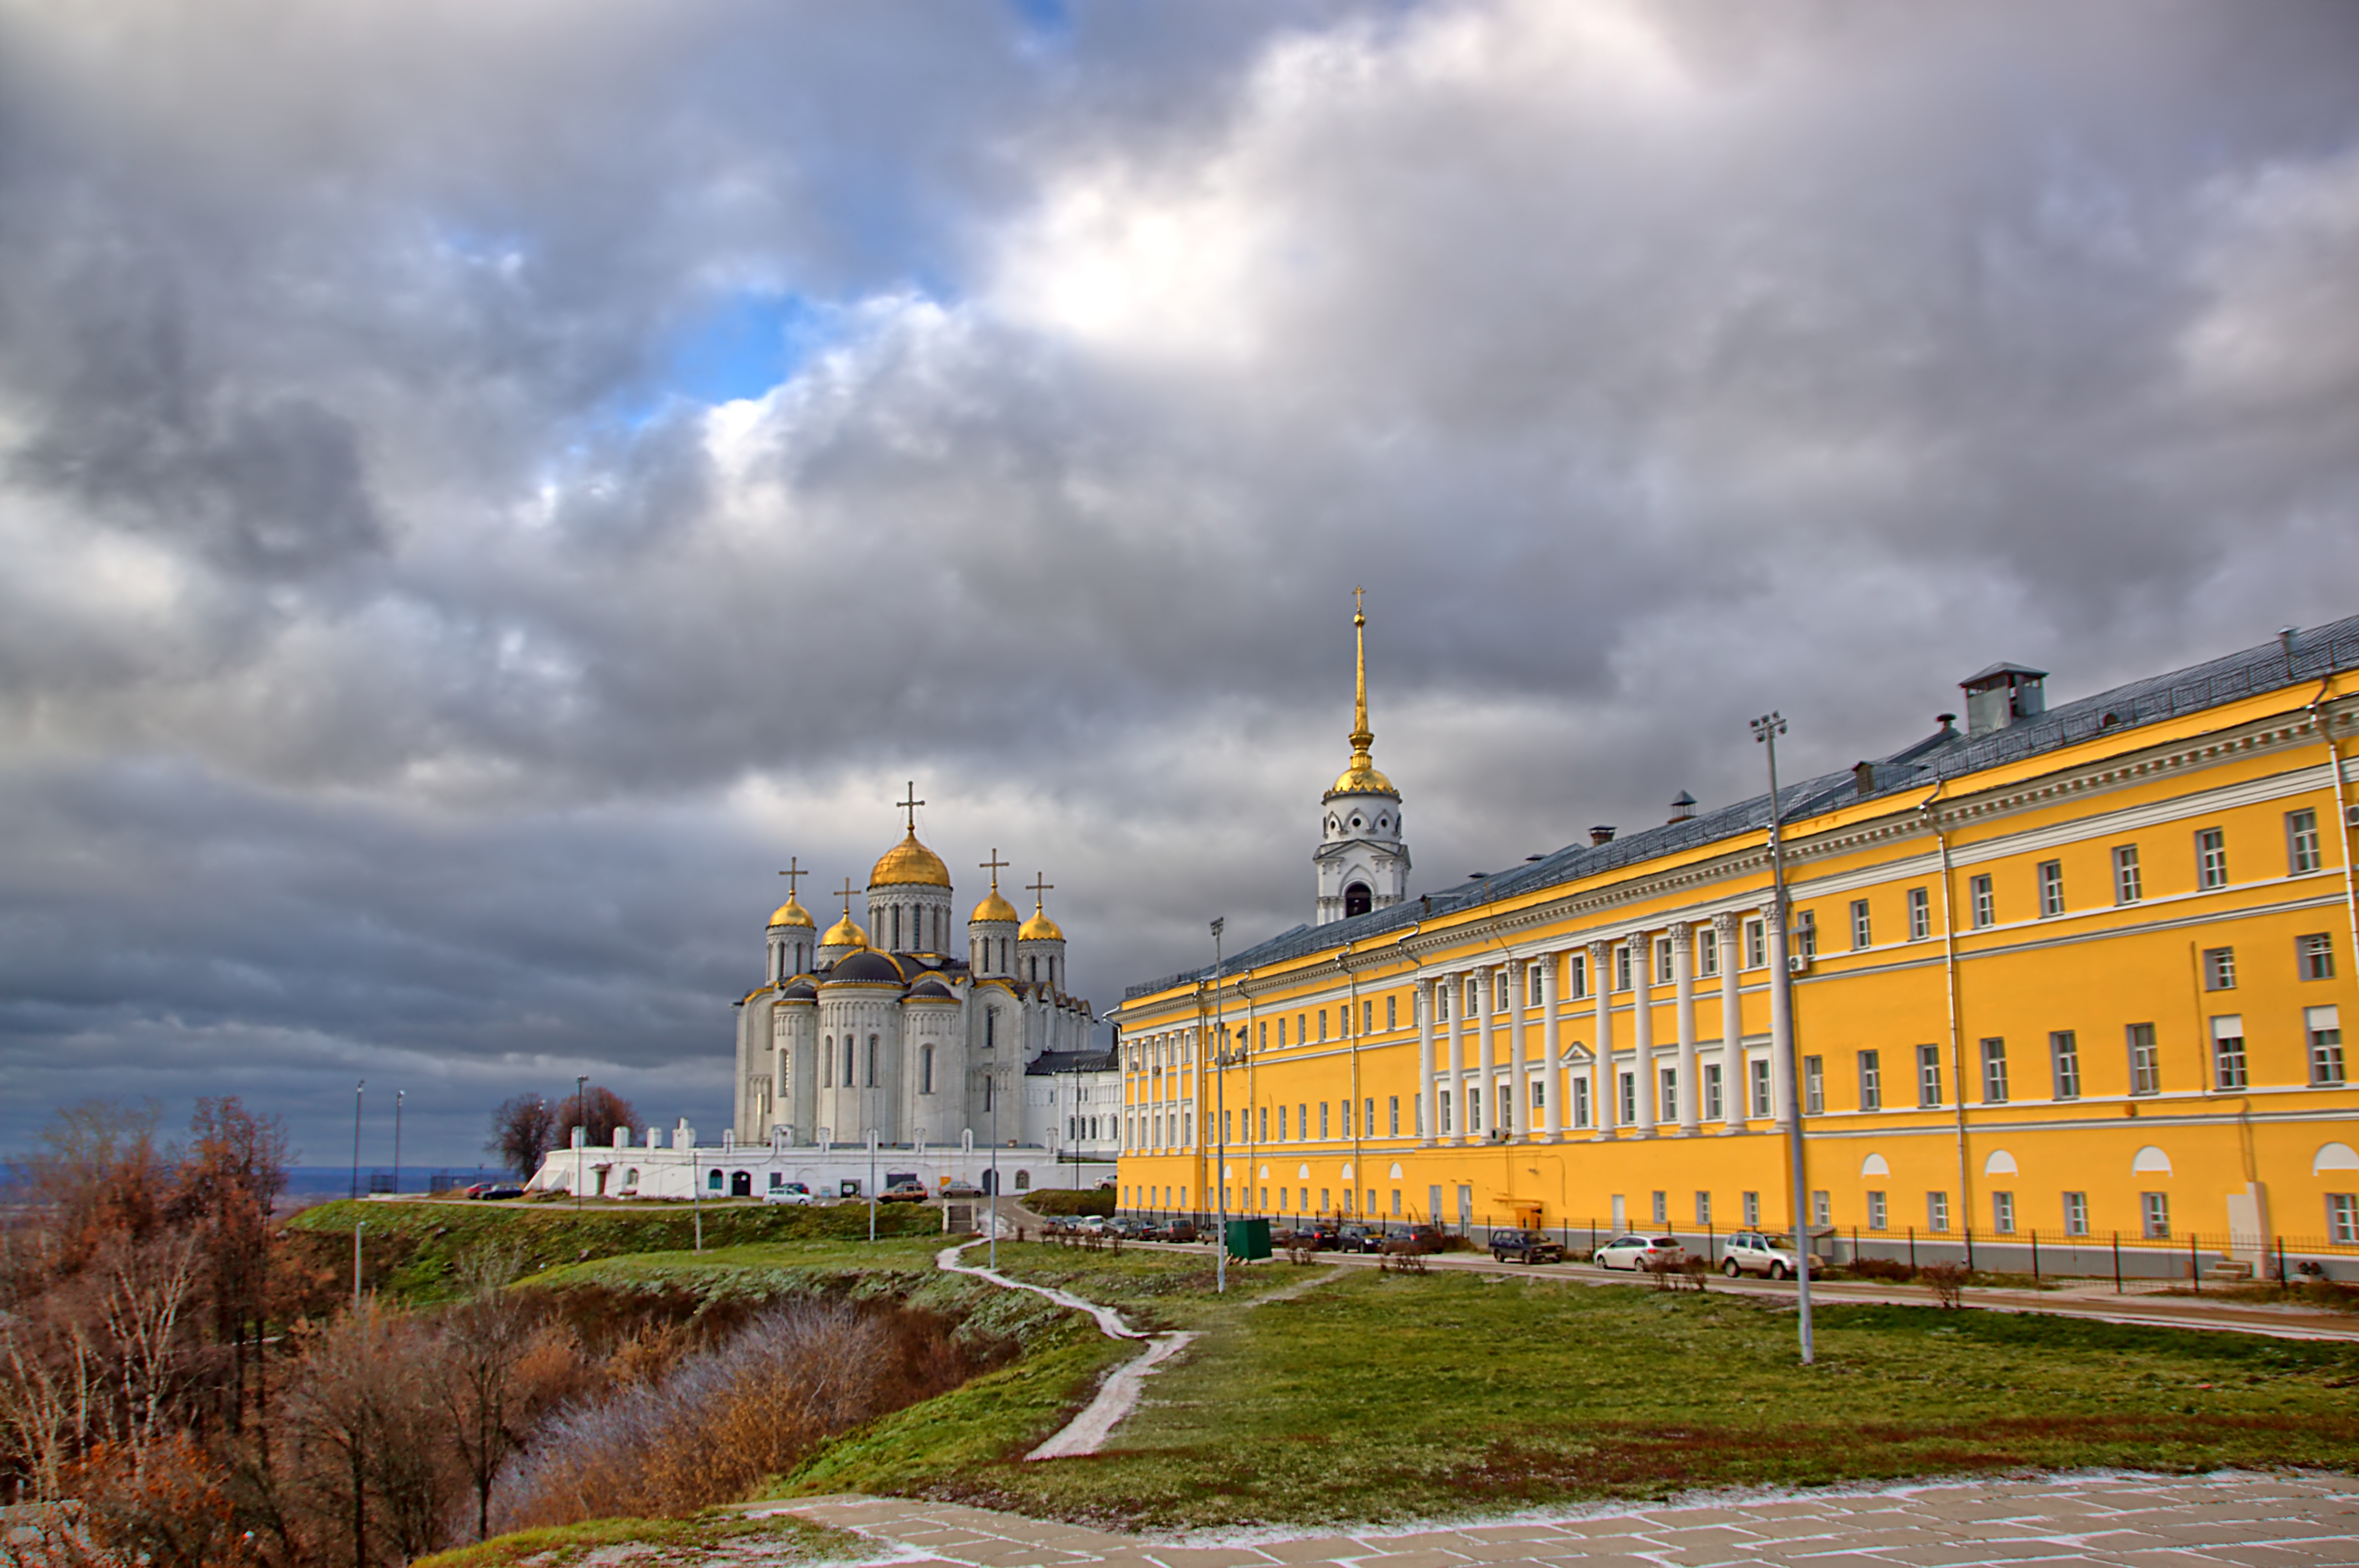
(1751,1252)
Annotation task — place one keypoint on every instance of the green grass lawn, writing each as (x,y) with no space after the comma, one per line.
(717,1537)
(1377,1397)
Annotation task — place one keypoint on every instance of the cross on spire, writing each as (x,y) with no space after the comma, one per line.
(911,805)
(793,873)
(845,892)
(995,866)
(1040,884)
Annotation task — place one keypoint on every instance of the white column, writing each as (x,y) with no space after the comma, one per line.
(1454,997)
(1728,930)
(1782,1023)
(1600,1066)
(1485,1055)
(1550,1046)
(1429,1127)
(1642,1026)
(1518,992)
(1683,978)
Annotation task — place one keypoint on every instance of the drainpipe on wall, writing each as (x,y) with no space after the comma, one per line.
(1957,1039)
(2341,816)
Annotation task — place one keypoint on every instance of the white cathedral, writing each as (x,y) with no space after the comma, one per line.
(875,1045)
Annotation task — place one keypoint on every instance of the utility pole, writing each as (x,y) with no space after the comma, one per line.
(580,1133)
(358,1089)
(398,1096)
(1766,731)
(1220,1109)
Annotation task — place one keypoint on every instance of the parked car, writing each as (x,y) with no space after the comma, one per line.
(1750,1253)
(1359,1238)
(1526,1247)
(794,1192)
(904,1191)
(496,1190)
(1179,1230)
(956,1189)
(1125,1226)
(1639,1251)
(1417,1238)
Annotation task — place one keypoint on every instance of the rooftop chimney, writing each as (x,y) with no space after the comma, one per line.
(1601,836)
(1862,778)
(1946,720)
(1683,806)
(2286,635)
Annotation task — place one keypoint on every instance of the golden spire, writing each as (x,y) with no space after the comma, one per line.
(1361,777)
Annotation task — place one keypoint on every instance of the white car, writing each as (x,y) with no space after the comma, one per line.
(792,1193)
(1636,1251)
(1750,1253)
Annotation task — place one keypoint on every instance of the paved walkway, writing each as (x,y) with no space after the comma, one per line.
(2136,1521)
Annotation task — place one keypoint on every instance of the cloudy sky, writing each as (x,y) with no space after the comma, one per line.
(482,484)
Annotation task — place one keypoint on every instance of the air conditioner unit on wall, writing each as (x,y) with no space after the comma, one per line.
(1798,963)
(2351,815)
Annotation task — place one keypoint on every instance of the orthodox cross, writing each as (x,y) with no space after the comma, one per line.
(845,892)
(911,805)
(793,873)
(1040,884)
(995,866)
(1358,594)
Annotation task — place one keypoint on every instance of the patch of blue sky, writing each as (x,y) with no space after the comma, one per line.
(747,344)
(1047,23)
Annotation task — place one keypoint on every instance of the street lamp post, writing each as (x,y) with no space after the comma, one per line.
(991,1089)
(581,1132)
(1766,731)
(358,1089)
(398,1096)
(1221,1110)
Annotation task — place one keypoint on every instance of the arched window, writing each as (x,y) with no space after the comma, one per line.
(1357,900)
(827,1053)
(870,1081)
(847,1061)
(712,1181)
(924,1069)
(1052,971)
(897,928)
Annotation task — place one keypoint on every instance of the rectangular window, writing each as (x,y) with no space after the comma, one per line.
(1760,1088)
(2052,889)
(2154,1211)
(1707,952)
(1814,1085)
(2324,1025)
(1265,1034)
(1393,1108)
(1265,1124)
(2343,1218)
(1444,1099)
(1985,903)
(1392,1012)
(1662,1208)
(1367,1117)
(1752,1209)
(1368,1018)
(2212,857)
(1878,1218)
(2002,1213)
(2314,956)
(1822,1208)
(1994,1072)
(1703,1208)
(1861,936)
(1621,968)
(2145,1061)
(1871,1080)
(1581,1101)
(1805,933)
(1577,974)
(2128,886)
(1473,1111)
(2064,1062)
(1937,1212)
(2301,842)
(2076,1214)
(1629,1098)
(1756,945)
(1714,1106)
(1323,1026)
(2219,969)
(1662,960)
(2228,1052)
(1281,1124)
(1928,1076)
(1302,1121)
(1540,1098)
(1322,1119)
(1920,914)
(1281,1034)
(1667,1101)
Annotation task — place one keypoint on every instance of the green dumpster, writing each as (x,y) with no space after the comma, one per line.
(1248,1239)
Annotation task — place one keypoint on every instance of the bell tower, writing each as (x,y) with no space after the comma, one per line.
(1362,862)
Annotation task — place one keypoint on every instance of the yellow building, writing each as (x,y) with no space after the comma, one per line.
(2076,972)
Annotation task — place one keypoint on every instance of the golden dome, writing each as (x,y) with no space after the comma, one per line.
(910,861)
(844,933)
(791,913)
(993,908)
(1040,928)
(1362,778)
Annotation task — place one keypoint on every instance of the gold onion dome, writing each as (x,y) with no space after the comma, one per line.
(993,908)
(1361,777)
(791,913)
(844,933)
(1040,928)
(910,861)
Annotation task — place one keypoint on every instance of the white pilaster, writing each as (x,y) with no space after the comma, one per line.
(1642,1026)
(1518,993)
(1781,1022)
(1485,1056)
(1728,930)
(1683,980)
(1600,1066)
(1428,1127)
(1551,1075)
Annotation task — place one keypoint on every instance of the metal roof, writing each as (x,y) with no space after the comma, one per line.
(1049,1064)
(1947,754)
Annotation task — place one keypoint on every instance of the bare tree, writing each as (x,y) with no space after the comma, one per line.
(52,1394)
(600,1109)
(144,1285)
(482,1343)
(360,1411)
(230,1179)
(524,1129)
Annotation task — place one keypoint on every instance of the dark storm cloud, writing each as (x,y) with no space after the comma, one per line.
(401,678)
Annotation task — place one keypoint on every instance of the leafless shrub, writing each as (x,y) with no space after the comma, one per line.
(713,1426)
(1948,1280)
